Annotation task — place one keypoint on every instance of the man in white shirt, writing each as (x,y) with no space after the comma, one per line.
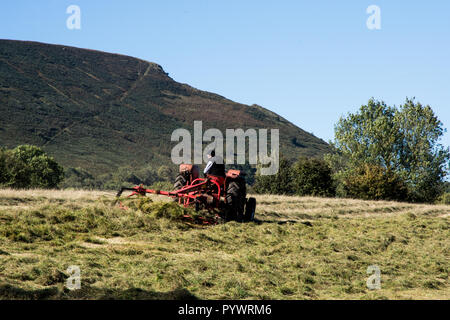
(215,166)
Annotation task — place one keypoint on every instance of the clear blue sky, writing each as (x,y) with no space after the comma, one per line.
(309,61)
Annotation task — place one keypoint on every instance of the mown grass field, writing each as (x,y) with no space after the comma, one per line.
(301,248)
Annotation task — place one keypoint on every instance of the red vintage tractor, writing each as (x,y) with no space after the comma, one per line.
(225,195)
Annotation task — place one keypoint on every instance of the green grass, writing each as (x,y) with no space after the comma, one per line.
(302,248)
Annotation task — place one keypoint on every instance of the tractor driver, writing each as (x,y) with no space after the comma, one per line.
(215,166)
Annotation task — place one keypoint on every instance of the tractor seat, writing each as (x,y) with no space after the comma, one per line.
(220,180)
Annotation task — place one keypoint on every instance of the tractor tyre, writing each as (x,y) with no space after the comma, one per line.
(180,182)
(250,208)
(235,198)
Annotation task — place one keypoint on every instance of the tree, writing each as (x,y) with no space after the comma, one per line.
(312,177)
(79,178)
(422,161)
(164,173)
(28,166)
(3,172)
(280,183)
(404,141)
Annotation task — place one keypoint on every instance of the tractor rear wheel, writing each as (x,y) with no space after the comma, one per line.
(235,198)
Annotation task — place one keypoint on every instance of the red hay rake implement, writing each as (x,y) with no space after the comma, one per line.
(224,195)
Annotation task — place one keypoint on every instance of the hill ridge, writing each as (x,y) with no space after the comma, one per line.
(99,110)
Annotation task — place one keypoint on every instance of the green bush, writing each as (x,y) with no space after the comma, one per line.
(446,187)
(79,178)
(3,172)
(373,182)
(160,177)
(162,185)
(444,199)
(307,176)
(28,166)
(164,173)
(280,183)
(312,177)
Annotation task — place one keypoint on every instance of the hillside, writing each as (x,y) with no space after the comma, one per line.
(99,111)
(301,248)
